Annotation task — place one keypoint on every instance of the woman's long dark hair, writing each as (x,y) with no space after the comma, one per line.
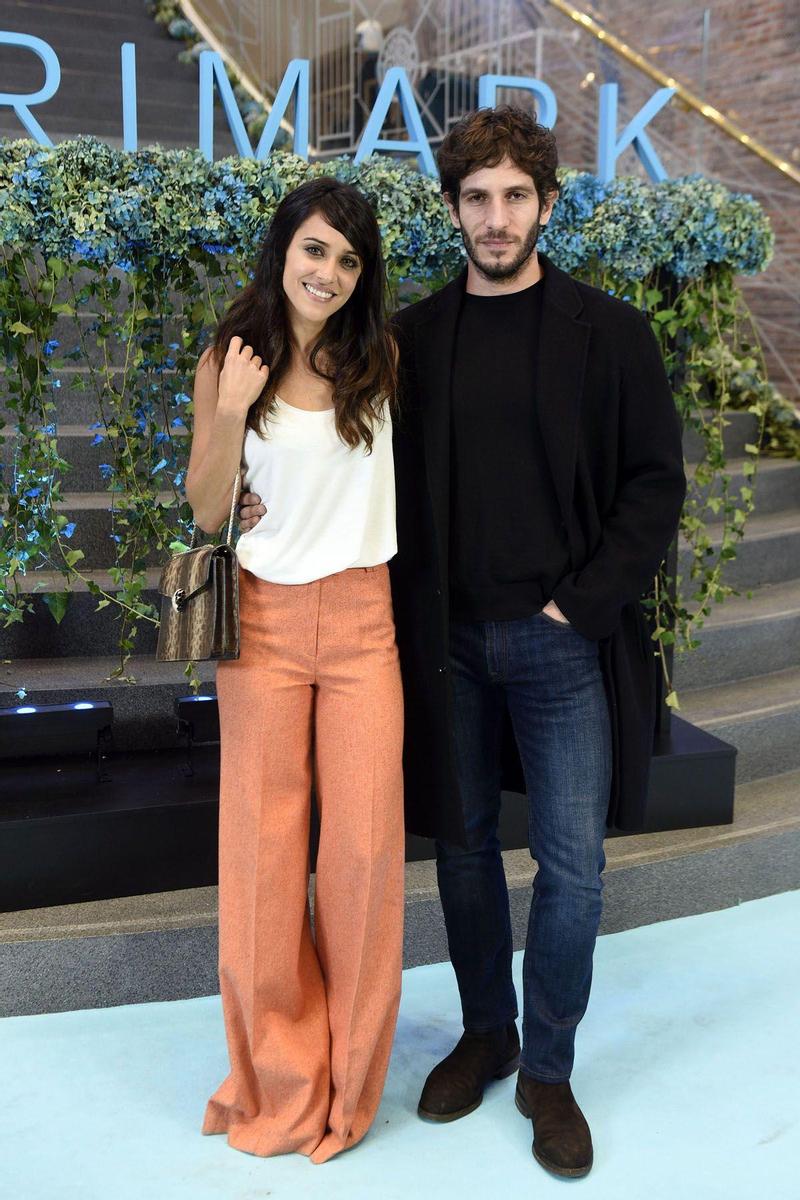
(355,343)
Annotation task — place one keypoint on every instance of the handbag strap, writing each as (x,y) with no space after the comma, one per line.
(237,487)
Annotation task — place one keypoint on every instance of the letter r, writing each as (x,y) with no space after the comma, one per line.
(52,78)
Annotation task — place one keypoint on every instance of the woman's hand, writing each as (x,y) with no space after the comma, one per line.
(242,378)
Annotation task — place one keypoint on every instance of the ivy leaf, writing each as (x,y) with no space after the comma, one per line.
(19,327)
(671,700)
(57,603)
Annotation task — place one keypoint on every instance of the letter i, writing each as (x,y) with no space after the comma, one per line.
(129,132)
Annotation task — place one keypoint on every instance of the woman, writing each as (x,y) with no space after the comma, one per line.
(303,370)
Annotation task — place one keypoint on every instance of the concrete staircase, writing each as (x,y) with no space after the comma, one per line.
(743,684)
(163,946)
(73,660)
(86,37)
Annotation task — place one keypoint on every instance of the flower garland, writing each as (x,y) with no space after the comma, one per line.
(153,244)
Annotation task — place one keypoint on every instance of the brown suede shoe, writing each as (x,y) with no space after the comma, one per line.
(455,1086)
(562,1142)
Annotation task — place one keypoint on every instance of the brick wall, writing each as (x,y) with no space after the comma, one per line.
(752,74)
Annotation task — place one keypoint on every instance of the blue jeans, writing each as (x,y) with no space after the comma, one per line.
(549,677)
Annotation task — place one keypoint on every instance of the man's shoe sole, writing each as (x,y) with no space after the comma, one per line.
(553,1168)
(442,1118)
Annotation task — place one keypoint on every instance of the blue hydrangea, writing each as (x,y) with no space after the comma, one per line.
(91,200)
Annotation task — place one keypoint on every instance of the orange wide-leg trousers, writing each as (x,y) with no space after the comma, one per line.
(309,1017)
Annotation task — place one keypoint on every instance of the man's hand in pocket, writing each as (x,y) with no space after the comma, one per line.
(551,609)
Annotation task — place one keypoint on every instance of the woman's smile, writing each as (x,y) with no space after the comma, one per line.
(318,293)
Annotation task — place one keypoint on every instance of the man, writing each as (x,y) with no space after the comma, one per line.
(539,483)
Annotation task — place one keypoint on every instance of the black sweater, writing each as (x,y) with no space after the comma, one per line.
(508,546)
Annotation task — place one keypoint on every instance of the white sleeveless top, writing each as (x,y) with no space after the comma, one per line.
(329,507)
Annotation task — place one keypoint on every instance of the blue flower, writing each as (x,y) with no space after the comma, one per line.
(50,346)
(97,439)
(68,529)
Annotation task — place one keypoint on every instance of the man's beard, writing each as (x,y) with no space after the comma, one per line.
(509,270)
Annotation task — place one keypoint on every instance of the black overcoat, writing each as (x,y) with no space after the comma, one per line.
(613,443)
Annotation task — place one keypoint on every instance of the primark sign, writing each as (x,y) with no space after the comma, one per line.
(295,88)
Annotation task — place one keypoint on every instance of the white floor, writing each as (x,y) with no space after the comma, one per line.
(688,1069)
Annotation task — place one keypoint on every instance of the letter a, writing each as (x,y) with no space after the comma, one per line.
(418,142)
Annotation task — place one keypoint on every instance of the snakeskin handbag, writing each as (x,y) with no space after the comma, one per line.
(200,600)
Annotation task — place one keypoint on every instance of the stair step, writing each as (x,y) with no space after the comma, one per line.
(94,525)
(34,15)
(76,398)
(741,429)
(48,581)
(80,332)
(167,941)
(777,484)
(759,715)
(101,66)
(745,637)
(76,445)
(38,636)
(179,131)
(143,712)
(768,553)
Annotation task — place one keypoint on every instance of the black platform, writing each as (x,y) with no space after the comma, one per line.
(64,837)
